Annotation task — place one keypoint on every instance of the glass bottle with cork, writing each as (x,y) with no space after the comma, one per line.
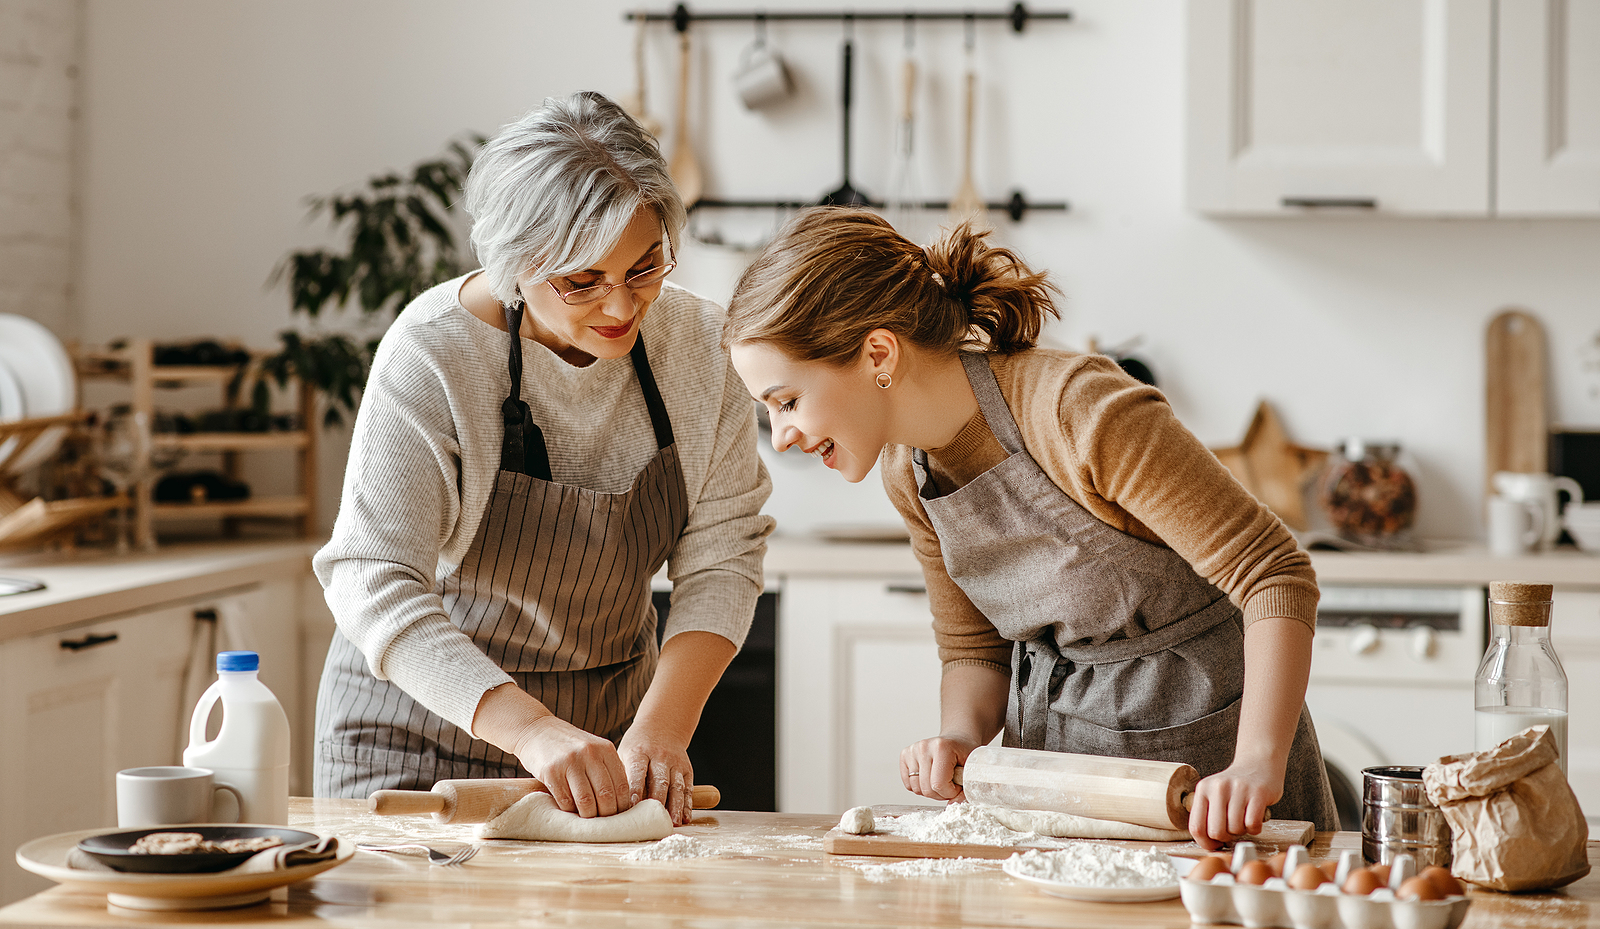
(1520,682)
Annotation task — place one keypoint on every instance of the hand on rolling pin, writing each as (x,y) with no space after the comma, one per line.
(661,771)
(928,768)
(1233,802)
(582,771)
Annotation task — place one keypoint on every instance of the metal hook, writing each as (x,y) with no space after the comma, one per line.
(761,30)
(971,22)
(911,31)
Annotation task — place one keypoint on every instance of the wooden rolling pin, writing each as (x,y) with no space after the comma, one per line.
(1128,790)
(478,800)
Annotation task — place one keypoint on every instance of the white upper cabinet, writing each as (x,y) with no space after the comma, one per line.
(1549,108)
(1316,106)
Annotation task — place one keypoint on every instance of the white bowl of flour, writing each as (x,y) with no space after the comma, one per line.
(1101,873)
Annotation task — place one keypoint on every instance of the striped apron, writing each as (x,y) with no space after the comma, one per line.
(1121,649)
(555,589)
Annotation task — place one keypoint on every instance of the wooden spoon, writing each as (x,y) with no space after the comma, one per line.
(967,204)
(684,168)
(635,105)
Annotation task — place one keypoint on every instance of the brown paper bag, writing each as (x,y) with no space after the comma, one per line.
(1514,821)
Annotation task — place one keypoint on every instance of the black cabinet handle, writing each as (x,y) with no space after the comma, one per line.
(906,589)
(1336,203)
(88,641)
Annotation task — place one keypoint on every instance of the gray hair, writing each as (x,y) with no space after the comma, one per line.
(555,190)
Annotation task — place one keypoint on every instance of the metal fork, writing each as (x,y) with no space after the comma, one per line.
(434,855)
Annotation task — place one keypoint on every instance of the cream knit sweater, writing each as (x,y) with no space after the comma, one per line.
(426,450)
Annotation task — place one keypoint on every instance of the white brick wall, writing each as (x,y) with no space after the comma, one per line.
(40,42)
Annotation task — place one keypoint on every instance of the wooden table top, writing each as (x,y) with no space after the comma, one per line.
(768,870)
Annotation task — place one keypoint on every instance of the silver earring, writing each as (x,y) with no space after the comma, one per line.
(884,380)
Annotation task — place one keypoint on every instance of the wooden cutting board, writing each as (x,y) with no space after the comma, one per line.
(1516,416)
(1276,835)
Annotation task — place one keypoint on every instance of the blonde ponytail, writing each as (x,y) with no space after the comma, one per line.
(834,274)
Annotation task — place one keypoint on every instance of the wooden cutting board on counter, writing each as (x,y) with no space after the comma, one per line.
(1276,835)
(1516,412)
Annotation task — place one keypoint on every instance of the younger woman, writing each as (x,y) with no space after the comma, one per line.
(1099,582)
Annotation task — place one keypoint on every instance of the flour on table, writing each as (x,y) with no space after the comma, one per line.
(671,848)
(958,823)
(795,841)
(1084,865)
(920,867)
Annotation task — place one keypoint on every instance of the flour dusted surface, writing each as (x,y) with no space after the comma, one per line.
(1082,864)
(671,848)
(958,823)
(921,867)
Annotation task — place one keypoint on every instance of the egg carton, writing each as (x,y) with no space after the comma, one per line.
(1274,905)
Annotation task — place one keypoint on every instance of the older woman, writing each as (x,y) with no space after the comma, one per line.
(520,469)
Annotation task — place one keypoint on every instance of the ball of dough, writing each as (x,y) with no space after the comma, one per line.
(536,818)
(857,821)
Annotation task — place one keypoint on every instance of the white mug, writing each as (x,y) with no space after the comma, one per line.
(169,795)
(1515,526)
(762,78)
(1542,490)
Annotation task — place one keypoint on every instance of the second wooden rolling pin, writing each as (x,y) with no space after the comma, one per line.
(1128,790)
(478,800)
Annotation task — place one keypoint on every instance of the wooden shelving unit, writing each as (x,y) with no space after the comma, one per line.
(134,365)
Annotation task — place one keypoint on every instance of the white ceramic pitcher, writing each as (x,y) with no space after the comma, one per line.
(1541,490)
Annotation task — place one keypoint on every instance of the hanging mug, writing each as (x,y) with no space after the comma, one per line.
(762,78)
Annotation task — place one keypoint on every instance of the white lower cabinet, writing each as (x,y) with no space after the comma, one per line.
(1575,631)
(79,704)
(858,680)
(76,706)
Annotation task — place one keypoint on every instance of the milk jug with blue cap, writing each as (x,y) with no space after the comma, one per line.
(251,750)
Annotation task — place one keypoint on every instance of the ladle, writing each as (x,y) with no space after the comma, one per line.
(846,195)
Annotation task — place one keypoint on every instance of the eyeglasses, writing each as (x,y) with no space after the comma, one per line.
(586,295)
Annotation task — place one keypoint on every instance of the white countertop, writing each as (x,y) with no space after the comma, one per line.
(92,584)
(1445,563)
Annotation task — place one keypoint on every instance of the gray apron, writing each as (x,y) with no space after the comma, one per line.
(555,589)
(1121,649)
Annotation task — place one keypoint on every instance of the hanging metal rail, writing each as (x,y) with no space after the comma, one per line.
(1019,16)
(681,17)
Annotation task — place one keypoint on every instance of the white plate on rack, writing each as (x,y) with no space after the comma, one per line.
(1102,894)
(43,372)
(47,857)
(10,408)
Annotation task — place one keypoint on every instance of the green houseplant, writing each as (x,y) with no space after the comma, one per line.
(399,237)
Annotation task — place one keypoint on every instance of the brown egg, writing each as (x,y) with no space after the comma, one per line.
(1307,877)
(1418,888)
(1443,881)
(1208,867)
(1330,868)
(1381,872)
(1276,863)
(1361,882)
(1255,872)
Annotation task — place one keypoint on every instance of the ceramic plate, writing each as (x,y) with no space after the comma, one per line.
(10,408)
(44,372)
(1103,894)
(10,395)
(112,848)
(47,857)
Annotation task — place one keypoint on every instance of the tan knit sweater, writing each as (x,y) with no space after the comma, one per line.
(1114,446)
